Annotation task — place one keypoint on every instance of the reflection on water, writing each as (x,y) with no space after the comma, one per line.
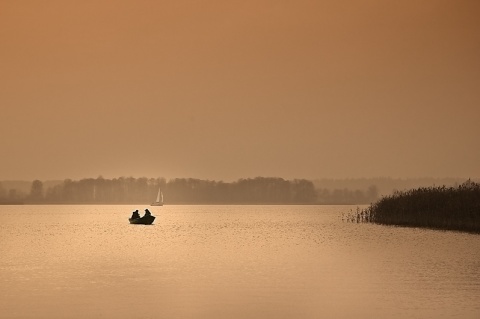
(229,262)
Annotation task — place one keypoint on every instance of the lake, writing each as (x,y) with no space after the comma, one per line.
(229,262)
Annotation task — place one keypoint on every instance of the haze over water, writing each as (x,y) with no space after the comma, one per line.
(222,90)
(230,262)
(226,90)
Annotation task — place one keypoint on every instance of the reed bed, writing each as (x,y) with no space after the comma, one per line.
(449,208)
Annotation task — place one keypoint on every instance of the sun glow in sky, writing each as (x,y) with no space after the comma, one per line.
(224,90)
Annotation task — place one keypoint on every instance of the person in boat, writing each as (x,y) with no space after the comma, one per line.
(135,214)
(147,213)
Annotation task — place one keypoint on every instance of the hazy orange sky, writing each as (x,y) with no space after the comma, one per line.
(231,89)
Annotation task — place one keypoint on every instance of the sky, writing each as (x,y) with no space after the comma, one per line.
(236,89)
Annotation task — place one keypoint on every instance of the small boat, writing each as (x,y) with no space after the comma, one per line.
(159,201)
(145,220)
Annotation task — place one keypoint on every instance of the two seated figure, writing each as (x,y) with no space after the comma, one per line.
(136,215)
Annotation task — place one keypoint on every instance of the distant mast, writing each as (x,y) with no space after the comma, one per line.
(94,192)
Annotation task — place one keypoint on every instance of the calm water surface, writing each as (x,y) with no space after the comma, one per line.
(229,262)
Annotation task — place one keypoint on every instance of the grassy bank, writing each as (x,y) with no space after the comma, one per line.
(449,208)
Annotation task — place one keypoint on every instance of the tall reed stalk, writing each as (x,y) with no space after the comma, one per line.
(449,208)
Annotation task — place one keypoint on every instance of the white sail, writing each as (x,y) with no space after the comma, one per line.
(159,201)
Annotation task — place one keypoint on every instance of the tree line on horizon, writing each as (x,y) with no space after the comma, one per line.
(130,190)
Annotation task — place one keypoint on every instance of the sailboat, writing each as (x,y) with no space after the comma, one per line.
(159,201)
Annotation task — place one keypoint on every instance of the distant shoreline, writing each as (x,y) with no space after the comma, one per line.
(190,191)
(179,204)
